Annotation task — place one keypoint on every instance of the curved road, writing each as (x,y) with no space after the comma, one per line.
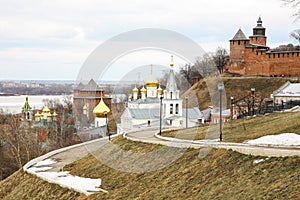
(258,150)
(70,154)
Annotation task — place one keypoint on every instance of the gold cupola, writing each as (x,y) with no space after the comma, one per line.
(46,109)
(159,90)
(135,90)
(152,82)
(143,90)
(101,109)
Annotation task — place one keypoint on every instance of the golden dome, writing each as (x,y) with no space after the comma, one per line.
(101,109)
(46,109)
(159,90)
(54,114)
(37,114)
(135,90)
(143,90)
(152,82)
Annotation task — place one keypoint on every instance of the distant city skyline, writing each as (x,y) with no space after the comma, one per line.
(50,40)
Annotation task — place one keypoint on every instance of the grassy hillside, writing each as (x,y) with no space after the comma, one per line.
(221,174)
(237,87)
(21,185)
(246,128)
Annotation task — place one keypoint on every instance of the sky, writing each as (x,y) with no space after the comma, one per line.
(51,39)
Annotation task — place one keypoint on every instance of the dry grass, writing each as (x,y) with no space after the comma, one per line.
(236,87)
(21,185)
(221,174)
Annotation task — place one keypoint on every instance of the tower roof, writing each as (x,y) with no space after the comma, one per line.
(80,86)
(171,84)
(259,22)
(240,36)
(101,109)
(259,30)
(26,106)
(92,85)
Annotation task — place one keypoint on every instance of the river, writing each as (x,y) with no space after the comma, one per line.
(14,104)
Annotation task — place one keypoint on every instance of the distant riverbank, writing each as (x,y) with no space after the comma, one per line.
(14,104)
(8,94)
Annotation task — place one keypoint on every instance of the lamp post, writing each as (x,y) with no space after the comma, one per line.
(220,88)
(232,105)
(160,114)
(252,95)
(186,111)
(106,125)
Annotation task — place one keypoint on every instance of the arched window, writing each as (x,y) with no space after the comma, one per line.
(171,108)
(171,95)
(177,108)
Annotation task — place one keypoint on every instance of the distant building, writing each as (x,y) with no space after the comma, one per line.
(289,92)
(252,56)
(26,110)
(144,107)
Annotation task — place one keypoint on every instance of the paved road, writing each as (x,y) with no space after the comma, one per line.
(276,151)
(71,154)
(66,157)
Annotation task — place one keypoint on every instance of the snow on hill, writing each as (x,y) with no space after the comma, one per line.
(285,139)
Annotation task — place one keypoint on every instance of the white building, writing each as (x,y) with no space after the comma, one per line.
(145,111)
(287,93)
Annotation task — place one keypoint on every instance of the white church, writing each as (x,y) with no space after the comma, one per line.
(143,111)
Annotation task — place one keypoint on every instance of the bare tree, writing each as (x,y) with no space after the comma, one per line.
(220,58)
(296,35)
(20,139)
(296,5)
(205,65)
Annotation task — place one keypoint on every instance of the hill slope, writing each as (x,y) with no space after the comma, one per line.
(238,87)
(220,175)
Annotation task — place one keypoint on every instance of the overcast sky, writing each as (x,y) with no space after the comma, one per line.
(50,39)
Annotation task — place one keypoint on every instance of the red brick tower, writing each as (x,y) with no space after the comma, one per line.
(238,46)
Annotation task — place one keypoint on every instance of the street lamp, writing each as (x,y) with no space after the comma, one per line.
(220,88)
(160,114)
(186,111)
(252,94)
(106,125)
(232,105)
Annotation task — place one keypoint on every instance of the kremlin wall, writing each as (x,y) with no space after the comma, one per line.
(252,56)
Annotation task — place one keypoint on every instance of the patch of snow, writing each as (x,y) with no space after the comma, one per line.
(38,169)
(259,160)
(76,182)
(294,109)
(288,139)
(45,162)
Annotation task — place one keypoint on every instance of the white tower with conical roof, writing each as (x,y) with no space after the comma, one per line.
(172,103)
